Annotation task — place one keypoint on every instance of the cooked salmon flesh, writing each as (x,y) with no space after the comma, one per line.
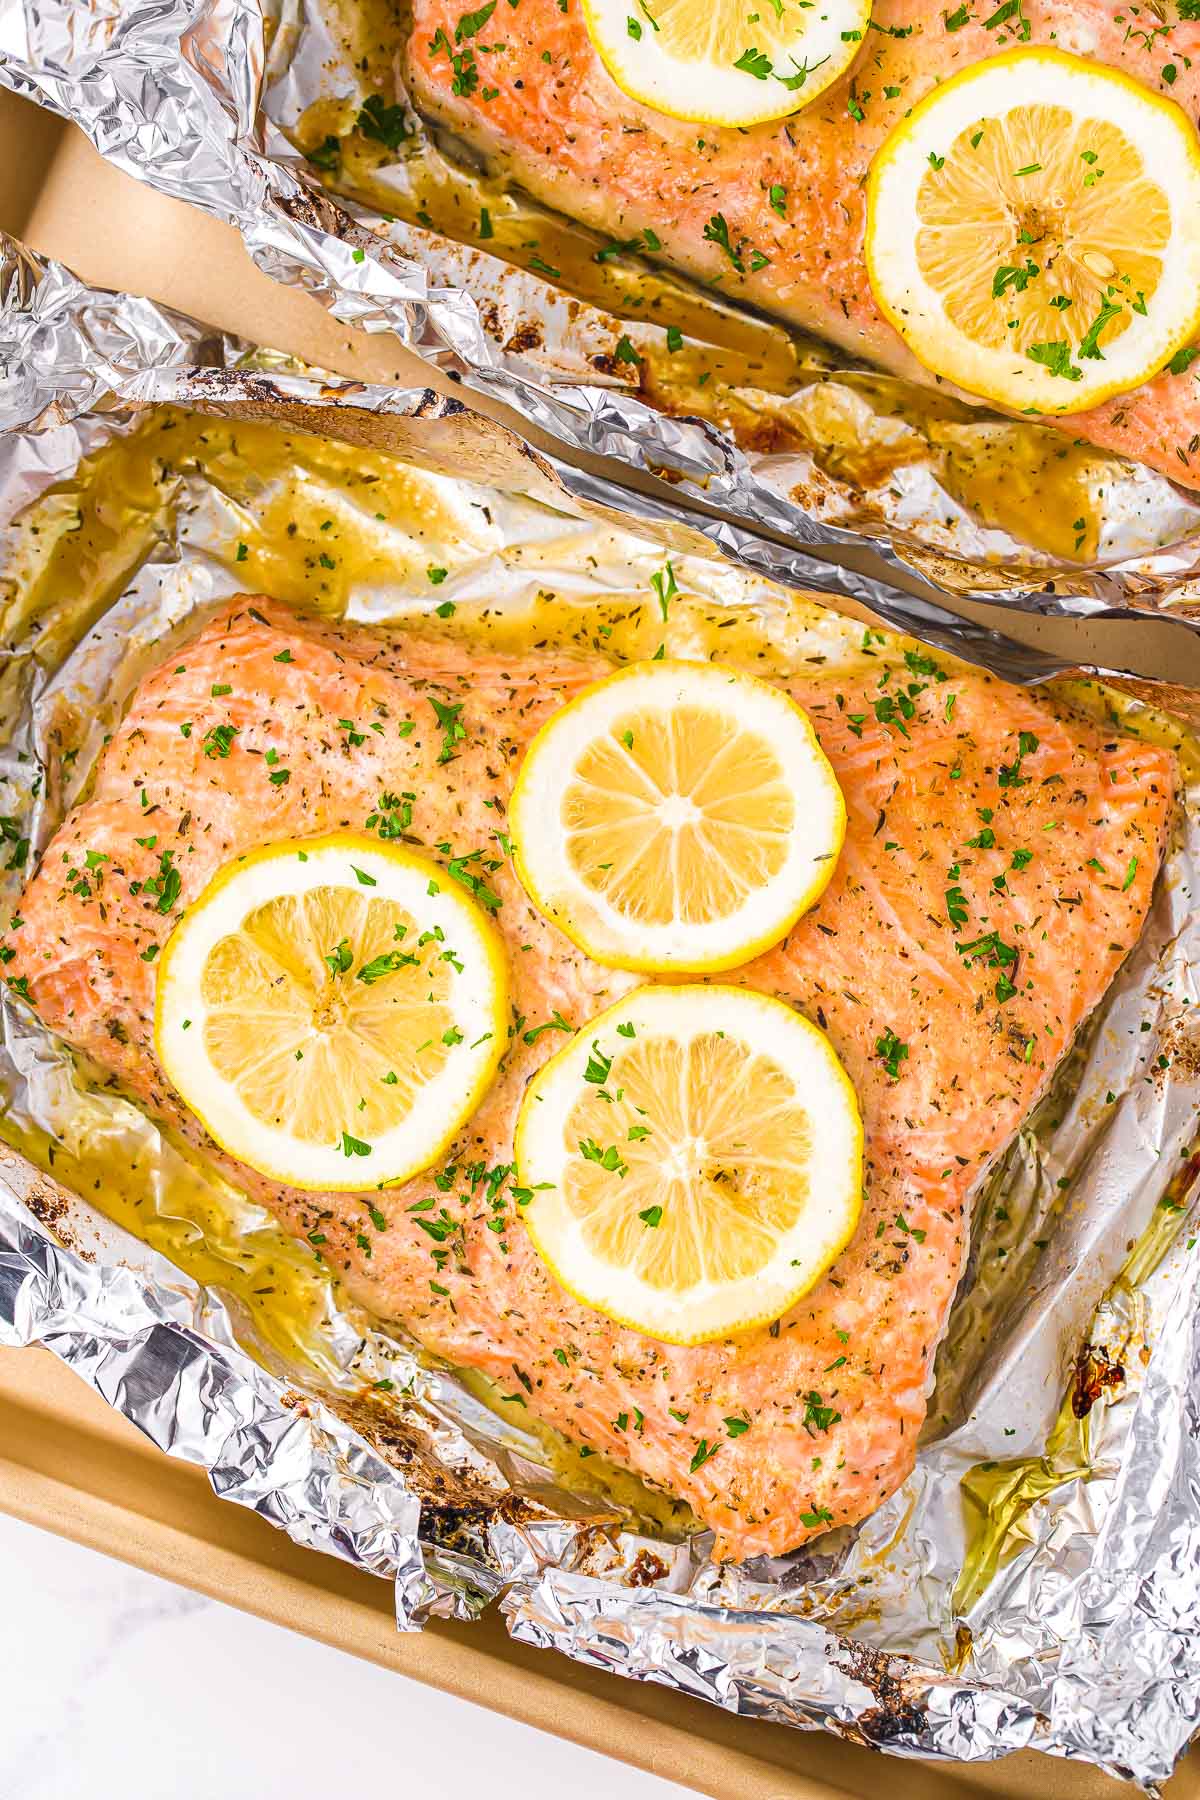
(776,212)
(998,865)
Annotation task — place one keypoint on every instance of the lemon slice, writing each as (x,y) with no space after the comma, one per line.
(723,62)
(1033,231)
(676,816)
(332,1009)
(694,1161)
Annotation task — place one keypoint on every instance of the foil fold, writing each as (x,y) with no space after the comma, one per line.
(1034,1584)
(207,100)
(132,1338)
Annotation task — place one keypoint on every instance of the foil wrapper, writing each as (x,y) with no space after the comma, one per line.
(1036,1582)
(246,107)
(162,1352)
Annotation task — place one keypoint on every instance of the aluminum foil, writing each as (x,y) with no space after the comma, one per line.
(208,100)
(1036,1583)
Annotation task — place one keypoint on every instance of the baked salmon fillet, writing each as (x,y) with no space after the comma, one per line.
(983,821)
(544,113)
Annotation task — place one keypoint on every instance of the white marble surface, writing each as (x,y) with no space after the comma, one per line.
(104,1678)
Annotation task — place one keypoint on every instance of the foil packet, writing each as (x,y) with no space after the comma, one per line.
(289,118)
(1036,1582)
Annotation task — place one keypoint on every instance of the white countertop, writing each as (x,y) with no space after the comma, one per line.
(119,1686)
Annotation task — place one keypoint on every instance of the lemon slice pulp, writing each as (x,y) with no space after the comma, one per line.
(723,62)
(694,1158)
(676,816)
(1033,231)
(331,1009)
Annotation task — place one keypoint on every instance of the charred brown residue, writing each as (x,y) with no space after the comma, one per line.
(964,1649)
(645,1570)
(465,1529)
(605,363)
(1094,1374)
(402,1443)
(1178,1056)
(899,1713)
(461,1530)
(51,1207)
(231,384)
(525,338)
(457,1505)
(433,405)
(595,1550)
(315,211)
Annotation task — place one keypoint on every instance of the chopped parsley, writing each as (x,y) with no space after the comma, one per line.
(1089,344)
(717,232)
(385,964)
(608,1158)
(339,959)
(381,123)
(166,884)
(665,587)
(218,740)
(1010,775)
(818,1416)
(458,870)
(755,62)
(1009,275)
(557,1023)
(891,1052)
(450,723)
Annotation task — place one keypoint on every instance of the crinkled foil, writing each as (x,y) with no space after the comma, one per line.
(1036,1583)
(210,101)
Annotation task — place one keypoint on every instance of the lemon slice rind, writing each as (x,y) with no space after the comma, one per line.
(827,1217)
(476,997)
(1021,78)
(541,847)
(798,52)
